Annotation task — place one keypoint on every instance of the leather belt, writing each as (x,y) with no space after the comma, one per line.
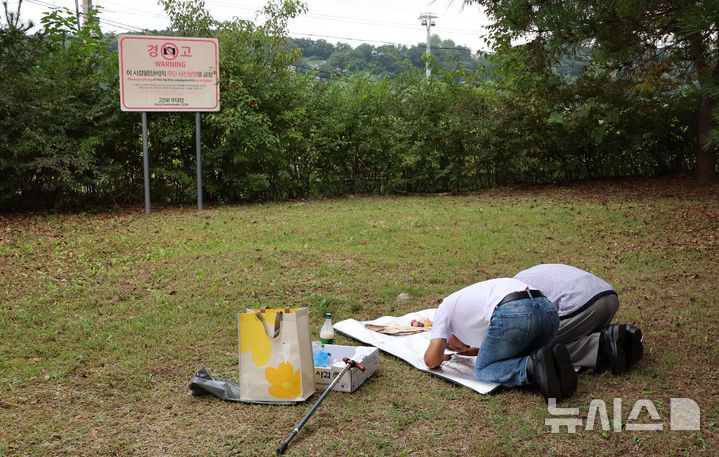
(520,296)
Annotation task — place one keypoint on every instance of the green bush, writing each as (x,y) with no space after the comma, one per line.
(281,134)
(60,129)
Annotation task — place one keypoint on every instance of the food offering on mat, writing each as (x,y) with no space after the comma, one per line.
(395,330)
(423,322)
(415,326)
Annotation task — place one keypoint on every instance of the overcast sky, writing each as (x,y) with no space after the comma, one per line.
(351,21)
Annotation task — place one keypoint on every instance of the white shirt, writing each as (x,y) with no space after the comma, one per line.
(467,312)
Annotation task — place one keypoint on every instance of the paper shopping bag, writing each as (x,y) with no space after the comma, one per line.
(275,355)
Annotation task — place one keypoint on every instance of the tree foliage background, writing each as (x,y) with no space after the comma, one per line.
(515,118)
(642,44)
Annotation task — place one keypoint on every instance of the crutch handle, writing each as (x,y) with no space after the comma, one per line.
(352,363)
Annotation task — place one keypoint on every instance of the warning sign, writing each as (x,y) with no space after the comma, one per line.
(168,73)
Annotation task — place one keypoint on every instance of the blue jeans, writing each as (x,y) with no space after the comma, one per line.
(516,329)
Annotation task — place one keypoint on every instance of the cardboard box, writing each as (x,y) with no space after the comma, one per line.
(366,355)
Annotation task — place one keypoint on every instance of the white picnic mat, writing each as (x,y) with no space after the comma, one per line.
(410,348)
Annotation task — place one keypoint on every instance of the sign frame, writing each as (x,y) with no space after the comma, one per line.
(162,73)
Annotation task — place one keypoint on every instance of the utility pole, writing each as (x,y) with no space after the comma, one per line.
(428,21)
(86,9)
(77,13)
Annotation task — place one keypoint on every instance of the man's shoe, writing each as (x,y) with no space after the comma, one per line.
(544,373)
(565,370)
(611,348)
(633,344)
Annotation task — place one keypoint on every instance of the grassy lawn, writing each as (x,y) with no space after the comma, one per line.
(105,317)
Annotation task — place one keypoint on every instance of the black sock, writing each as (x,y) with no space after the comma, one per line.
(602,352)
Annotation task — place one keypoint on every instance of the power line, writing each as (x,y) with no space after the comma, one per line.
(445,13)
(104,15)
(405,25)
(103,20)
(120,9)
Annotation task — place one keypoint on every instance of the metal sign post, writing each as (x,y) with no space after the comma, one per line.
(199,161)
(145,162)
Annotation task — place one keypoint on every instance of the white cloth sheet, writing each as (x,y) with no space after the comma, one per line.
(410,348)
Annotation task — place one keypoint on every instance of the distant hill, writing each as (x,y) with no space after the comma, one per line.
(384,61)
(330,60)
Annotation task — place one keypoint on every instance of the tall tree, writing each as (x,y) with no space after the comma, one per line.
(13,18)
(633,36)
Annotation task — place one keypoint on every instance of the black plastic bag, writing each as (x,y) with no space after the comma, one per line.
(203,383)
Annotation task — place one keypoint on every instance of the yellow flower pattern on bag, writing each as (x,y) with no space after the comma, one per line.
(276,367)
(255,339)
(285,381)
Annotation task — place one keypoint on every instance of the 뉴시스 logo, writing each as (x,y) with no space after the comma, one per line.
(684,414)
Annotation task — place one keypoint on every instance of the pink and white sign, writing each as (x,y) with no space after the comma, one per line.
(168,73)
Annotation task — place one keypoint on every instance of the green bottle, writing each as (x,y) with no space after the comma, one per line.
(327,333)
